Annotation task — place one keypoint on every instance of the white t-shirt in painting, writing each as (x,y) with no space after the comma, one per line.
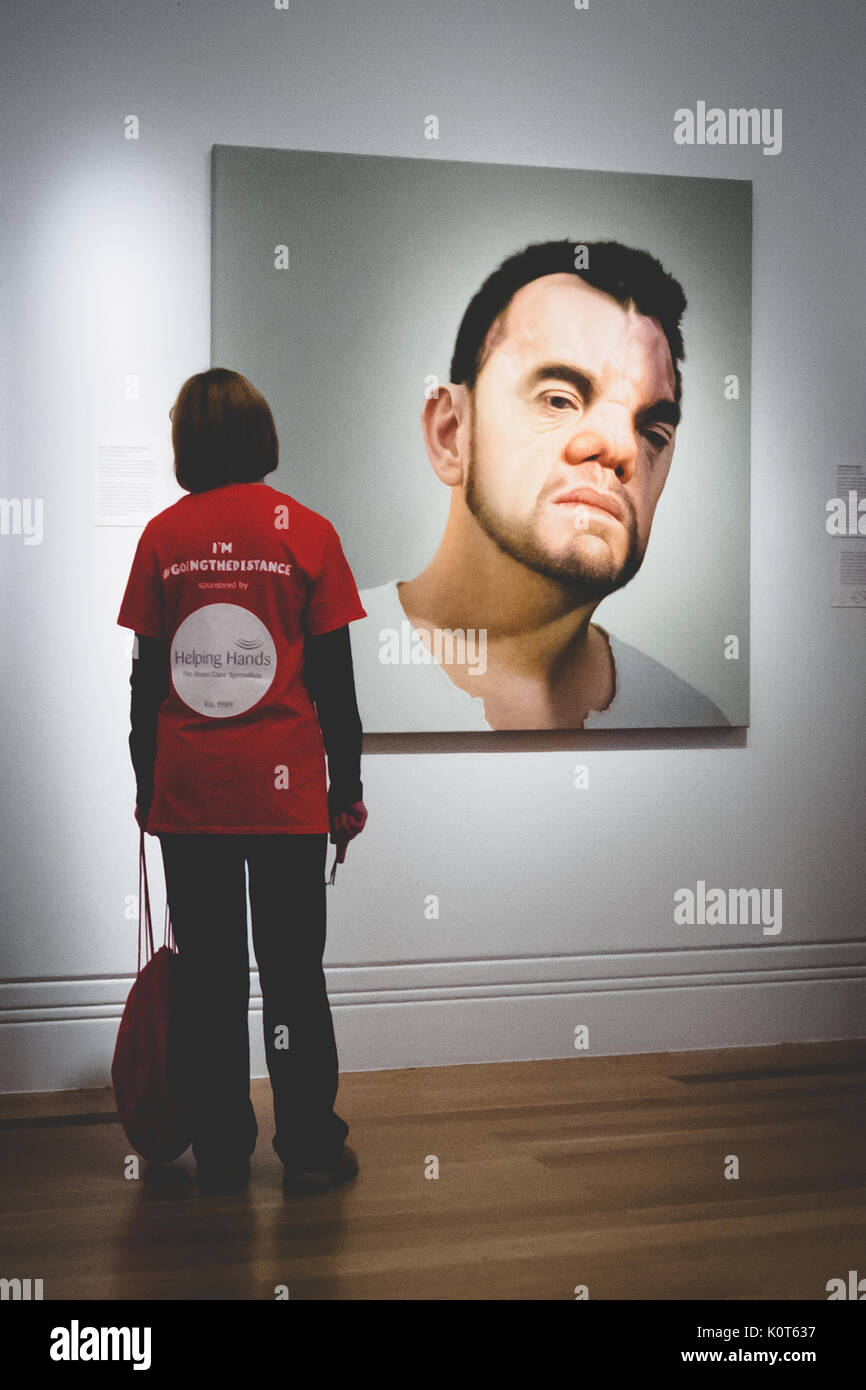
(416,696)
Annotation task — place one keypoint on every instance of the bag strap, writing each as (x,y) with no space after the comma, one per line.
(168,935)
(142,880)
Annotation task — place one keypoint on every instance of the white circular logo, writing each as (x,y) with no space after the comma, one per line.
(223,660)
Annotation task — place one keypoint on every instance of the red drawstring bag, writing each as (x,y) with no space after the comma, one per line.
(146,1071)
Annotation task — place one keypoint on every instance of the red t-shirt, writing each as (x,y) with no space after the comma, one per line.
(234,579)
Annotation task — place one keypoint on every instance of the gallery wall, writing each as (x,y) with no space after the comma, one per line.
(498,900)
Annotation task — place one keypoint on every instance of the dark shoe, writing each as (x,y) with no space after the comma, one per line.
(296,1180)
(220,1176)
(165,1175)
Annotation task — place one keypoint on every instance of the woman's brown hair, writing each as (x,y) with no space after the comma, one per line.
(222,431)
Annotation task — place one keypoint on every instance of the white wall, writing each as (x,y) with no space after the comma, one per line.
(556,904)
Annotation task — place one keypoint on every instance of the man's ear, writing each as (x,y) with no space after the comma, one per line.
(445,423)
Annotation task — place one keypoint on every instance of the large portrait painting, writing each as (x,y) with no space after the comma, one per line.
(521,395)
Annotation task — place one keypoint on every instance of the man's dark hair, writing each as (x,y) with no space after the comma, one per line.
(222,431)
(628,276)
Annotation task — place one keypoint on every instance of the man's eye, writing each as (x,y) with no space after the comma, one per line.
(558,396)
(658,441)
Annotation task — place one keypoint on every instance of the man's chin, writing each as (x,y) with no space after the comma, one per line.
(592,562)
(596,586)
(589,576)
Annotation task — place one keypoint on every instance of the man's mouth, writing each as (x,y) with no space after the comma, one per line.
(588,497)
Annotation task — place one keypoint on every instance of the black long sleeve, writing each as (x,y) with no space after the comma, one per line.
(149,683)
(329,677)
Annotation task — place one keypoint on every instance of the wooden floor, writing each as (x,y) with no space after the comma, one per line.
(606,1172)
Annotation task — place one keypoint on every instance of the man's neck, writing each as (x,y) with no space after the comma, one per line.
(534,626)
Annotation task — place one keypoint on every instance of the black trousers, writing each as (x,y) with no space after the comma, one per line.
(206,887)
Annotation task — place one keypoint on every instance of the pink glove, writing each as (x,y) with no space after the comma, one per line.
(346,825)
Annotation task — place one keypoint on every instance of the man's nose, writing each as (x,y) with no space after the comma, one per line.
(605,436)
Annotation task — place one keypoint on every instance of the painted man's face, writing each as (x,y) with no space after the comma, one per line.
(576,394)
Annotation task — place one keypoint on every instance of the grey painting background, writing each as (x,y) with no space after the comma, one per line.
(384,255)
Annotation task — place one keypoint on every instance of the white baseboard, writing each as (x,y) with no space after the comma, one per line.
(60,1034)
